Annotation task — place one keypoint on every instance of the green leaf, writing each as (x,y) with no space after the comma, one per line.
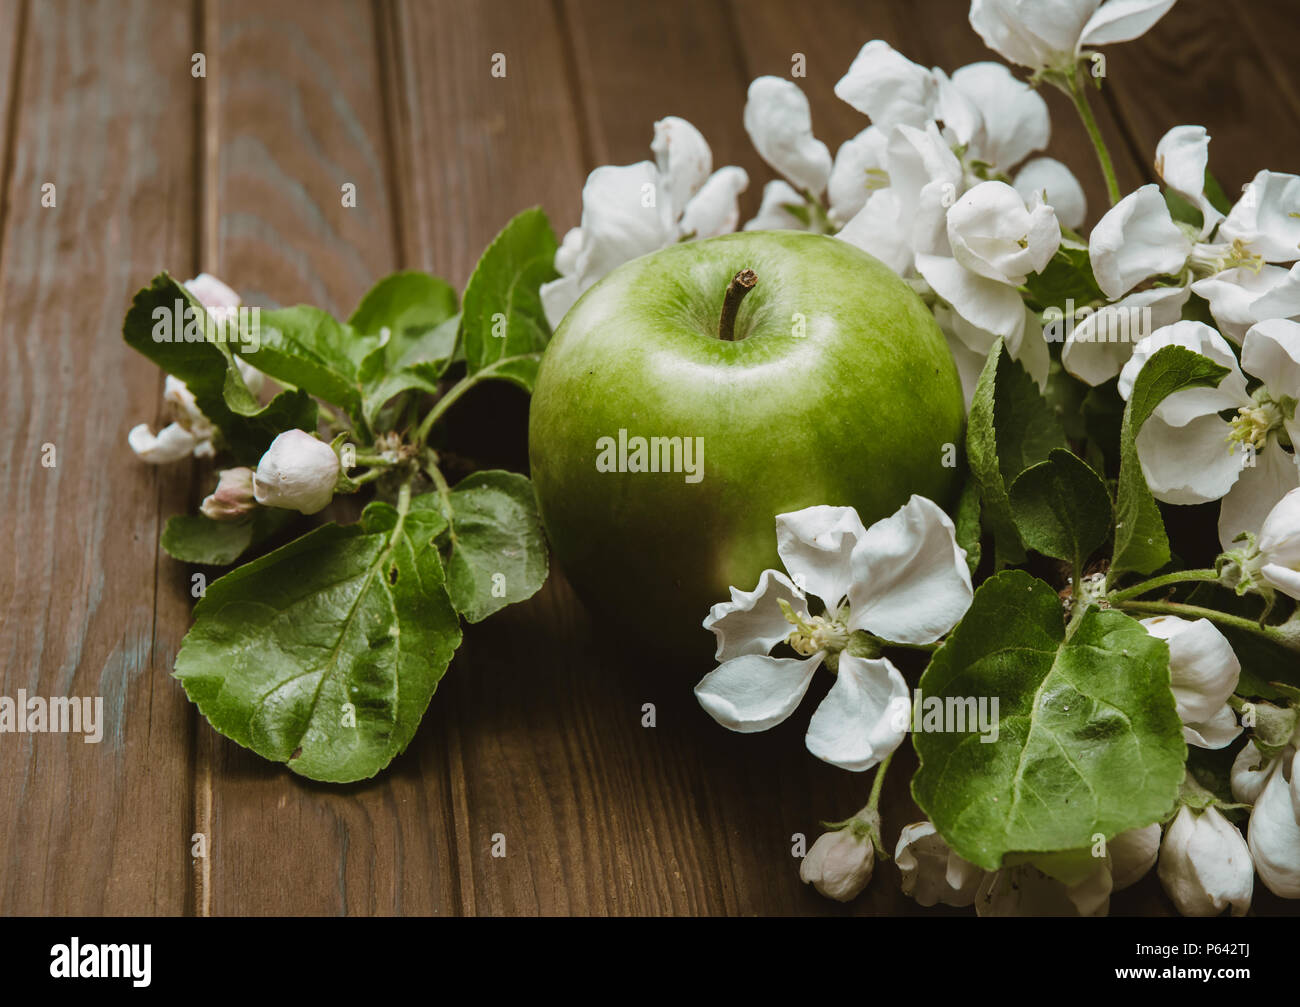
(967,523)
(324,654)
(1011,427)
(207,366)
(1088,738)
(495,550)
(414,317)
(309,349)
(1141,543)
(1067,276)
(1061,507)
(503,326)
(194,538)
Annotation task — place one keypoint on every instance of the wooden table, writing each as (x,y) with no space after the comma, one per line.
(536,731)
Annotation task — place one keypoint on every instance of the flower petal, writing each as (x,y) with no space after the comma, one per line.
(1260,488)
(621,219)
(172,443)
(1101,343)
(779,122)
(888,87)
(1188,464)
(1266,217)
(1274,837)
(1122,21)
(911,583)
(864,716)
(816,545)
(929,868)
(878,229)
(752,622)
(1271,352)
(1282,299)
(1057,185)
(683,160)
(859,170)
(985,303)
(1235,294)
(754,692)
(772,213)
(1203,670)
(715,209)
(1279,532)
(1015,117)
(1181,158)
(1136,239)
(1132,855)
(1250,771)
(1219,731)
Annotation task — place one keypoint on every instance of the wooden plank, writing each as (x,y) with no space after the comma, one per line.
(104,112)
(296,112)
(1223,67)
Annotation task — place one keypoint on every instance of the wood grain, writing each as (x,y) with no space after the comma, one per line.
(301,113)
(1203,64)
(92,828)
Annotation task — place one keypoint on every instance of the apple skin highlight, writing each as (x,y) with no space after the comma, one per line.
(838,389)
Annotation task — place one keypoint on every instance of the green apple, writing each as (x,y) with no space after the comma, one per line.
(695,393)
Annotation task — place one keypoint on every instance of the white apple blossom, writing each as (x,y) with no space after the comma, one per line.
(1266,218)
(1203,672)
(903,580)
(1007,119)
(233,498)
(839,864)
(1190,455)
(970,346)
(1132,855)
(1053,36)
(1205,865)
(298,472)
(931,871)
(1250,772)
(992,240)
(634,209)
(779,123)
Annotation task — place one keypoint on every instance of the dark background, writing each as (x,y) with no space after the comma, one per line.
(535,732)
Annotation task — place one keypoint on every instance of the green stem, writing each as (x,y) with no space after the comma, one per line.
(1075,89)
(444,493)
(1155,583)
(1197,612)
(445,403)
(878,784)
(369,477)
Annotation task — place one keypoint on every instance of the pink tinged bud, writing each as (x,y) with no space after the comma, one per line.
(839,864)
(1205,865)
(233,497)
(212,293)
(298,472)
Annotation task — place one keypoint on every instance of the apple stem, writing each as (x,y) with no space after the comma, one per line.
(741,284)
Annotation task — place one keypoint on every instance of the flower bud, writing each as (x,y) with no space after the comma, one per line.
(1205,865)
(1132,855)
(1279,545)
(298,472)
(1275,832)
(839,864)
(931,871)
(1203,673)
(233,497)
